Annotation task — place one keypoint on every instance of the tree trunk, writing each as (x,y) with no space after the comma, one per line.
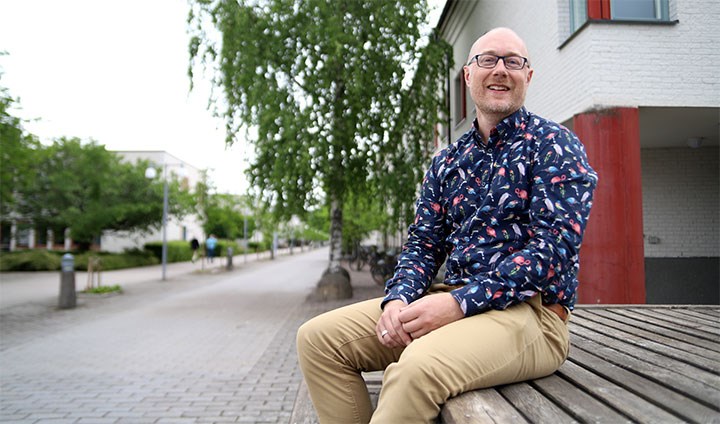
(335,282)
(335,236)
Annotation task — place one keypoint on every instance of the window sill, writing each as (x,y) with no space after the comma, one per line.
(617,22)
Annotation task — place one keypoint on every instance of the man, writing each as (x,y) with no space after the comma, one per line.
(210,245)
(194,246)
(507,205)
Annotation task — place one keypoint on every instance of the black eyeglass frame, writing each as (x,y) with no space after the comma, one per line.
(476,59)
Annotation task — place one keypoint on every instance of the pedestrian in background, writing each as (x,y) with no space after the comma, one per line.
(195,246)
(210,246)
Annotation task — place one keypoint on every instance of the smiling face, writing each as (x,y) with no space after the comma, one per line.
(497,92)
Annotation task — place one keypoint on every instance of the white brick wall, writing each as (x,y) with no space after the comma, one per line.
(681,203)
(625,64)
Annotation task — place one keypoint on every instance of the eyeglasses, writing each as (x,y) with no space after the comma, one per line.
(488,61)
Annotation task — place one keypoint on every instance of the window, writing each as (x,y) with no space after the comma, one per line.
(581,11)
(639,9)
(459,93)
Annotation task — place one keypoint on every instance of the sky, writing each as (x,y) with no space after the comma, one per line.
(116,72)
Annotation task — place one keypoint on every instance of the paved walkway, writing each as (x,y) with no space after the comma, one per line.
(201,347)
(23,287)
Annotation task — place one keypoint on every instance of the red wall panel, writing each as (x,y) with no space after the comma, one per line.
(612,263)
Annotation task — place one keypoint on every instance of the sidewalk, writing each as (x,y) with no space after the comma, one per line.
(210,347)
(24,287)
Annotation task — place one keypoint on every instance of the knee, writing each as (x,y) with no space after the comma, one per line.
(309,339)
(304,336)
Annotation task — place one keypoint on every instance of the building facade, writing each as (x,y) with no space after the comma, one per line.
(637,82)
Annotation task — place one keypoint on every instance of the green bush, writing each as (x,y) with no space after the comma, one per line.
(255,246)
(180,251)
(44,260)
(29,260)
(177,251)
(110,261)
(104,289)
(222,246)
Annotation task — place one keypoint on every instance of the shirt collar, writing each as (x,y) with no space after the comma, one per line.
(504,129)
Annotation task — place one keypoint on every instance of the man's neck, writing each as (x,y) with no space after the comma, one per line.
(485,125)
(487,122)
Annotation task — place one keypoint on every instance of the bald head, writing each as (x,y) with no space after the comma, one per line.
(497,87)
(499,37)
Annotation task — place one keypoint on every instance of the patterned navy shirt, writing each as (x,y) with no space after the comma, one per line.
(508,215)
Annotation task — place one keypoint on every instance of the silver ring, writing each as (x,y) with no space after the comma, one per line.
(383,333)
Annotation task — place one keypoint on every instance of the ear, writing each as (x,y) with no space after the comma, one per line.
(529,75)
(466,75)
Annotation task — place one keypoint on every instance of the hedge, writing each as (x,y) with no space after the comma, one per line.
(180,251)
(29,260)
(45,260)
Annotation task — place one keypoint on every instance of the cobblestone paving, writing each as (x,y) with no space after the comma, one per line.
(198,349)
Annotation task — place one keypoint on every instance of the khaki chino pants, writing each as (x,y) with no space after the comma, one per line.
(523,342)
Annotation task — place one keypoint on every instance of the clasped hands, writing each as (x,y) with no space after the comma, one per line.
(400,324)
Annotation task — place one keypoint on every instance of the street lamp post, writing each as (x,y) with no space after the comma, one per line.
(151,173)
(164,222)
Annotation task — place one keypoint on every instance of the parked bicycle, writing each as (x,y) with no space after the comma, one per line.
(382,265)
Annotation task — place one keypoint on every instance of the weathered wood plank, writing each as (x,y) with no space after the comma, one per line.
(693,315)
(533,405)
(702,347)
(678,318)
(584,407)
(653,392)
(713,312)
(484,406)
(630,404)
(705,359)
(672,326)
(692,381)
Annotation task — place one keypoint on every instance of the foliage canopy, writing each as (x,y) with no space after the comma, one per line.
(86,188)
(323,83)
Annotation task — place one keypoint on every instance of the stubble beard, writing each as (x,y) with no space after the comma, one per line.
(497,109)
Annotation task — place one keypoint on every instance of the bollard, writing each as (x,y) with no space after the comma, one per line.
(229,258)
(67,282)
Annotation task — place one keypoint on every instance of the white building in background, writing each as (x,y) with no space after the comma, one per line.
(177,229)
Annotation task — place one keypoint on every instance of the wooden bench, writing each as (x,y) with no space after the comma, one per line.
(627,364)
(639,363)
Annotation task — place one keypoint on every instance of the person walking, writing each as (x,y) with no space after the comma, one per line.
(195,247)
(210,246)
(505,207)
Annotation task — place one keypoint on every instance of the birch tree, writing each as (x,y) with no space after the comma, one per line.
(324,86)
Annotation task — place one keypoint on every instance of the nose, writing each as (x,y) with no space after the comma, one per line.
(498,69)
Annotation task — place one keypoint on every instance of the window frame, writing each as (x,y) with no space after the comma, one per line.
(578,14)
